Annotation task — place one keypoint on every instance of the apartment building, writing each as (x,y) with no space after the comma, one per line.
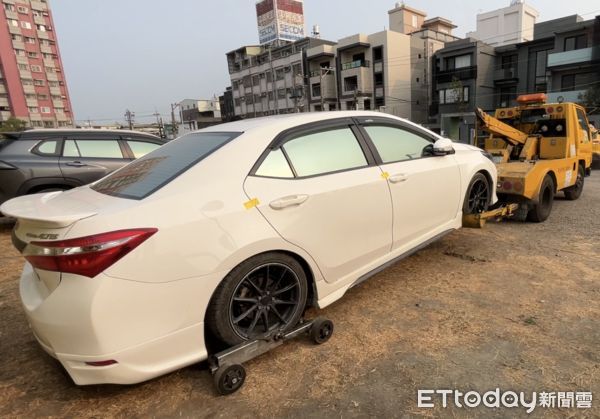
(32,81)
(507,25)
(562,60)
(269,79)
(361,72)
(196,114)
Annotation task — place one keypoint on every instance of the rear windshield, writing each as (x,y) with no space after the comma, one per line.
(148,174)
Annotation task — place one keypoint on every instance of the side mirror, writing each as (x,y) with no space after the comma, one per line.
(443,147)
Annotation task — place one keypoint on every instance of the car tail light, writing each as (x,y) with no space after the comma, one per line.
(506,185)
(86,256)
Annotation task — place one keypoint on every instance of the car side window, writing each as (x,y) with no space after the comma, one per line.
(141,148)
(585,127)
(47,147)
(275,165)
(396,144)
(70,149)
(104,149)
(325,152)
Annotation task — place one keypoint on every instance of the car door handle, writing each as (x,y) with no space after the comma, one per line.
(288,201)
(76,164)
(400,177)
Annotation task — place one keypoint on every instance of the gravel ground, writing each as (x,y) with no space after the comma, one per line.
(513,306)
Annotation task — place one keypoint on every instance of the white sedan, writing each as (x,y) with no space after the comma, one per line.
(233,230)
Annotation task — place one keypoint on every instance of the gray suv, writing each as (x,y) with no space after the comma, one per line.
(49,160)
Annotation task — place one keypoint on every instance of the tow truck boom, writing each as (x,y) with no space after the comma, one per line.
(496,127)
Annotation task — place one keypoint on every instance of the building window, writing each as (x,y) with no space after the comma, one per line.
(507,96)
(20,52)
(255,80)
(351,84)
(22,9)
(38,82)
(460,61)
(41,28)
(269,77)
(33,109)
(32,54)
(13,22)
(23,67)
(16,37)
(36,68)
(45,109)
(281,93)
(415,21)
(541,80)
(454,95)
(42,97)
(9,7)
(575,42)
(378,79)
(29,40)
(316,90)
(27,82)
(377,53)
(279,74)
(25,25)
(509,62)
(567,83)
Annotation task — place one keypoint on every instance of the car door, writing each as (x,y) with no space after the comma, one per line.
(320,188)
(425,189)
(88,159)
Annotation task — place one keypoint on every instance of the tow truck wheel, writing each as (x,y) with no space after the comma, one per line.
(541,211)
(229,379)
(574,192)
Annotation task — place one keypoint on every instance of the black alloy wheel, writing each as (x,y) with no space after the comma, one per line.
(266,300)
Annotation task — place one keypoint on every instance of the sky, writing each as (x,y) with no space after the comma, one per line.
(143,55)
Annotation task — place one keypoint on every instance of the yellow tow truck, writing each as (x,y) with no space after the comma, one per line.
(539,149)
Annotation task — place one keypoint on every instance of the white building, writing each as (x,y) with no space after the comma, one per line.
(509,25)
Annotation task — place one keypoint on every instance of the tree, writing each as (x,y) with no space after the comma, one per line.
(591,98)
(13,124)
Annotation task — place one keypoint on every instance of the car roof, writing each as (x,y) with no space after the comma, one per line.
(35,133)
(293,120)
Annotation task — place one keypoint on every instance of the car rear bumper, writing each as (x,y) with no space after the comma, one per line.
(141,326)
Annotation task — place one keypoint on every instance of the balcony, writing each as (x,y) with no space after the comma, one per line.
(464,73)
(11,15)
(55,91)
(38,5)
(364,81)
(49,62)
(578,56)
(320,51)
(4,101)
(28,88)
(43,35)
(25,74)
(317,73)
(39,20)
(328,85)
(46,49)
(14,29)
(505,75)
(18,44)
(51,76)
(4,115)
(356,64)
(32,103)
(8,1)
(2,88)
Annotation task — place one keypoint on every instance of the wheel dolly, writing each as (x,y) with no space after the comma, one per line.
(228,373)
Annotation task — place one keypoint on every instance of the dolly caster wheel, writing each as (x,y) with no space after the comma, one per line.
(321,330)
(229,379)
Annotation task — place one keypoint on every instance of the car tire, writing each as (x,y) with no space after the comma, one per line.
(541,210)
(574,192)
(263,295)
(477,198)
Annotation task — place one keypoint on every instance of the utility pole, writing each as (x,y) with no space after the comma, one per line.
(173,121)
(159,123)
(129,117)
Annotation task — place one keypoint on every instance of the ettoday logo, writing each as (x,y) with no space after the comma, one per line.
(506,399)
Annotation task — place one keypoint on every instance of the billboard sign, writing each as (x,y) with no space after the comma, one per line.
(280,19)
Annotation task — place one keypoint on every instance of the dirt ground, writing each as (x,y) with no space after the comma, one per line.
(514,306)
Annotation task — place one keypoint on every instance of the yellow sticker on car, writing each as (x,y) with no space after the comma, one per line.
(252,203)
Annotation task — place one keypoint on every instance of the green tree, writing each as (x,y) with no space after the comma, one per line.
(13,124)
(591,97)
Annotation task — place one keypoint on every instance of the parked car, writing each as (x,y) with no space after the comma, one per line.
(49,160)
(233,229)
